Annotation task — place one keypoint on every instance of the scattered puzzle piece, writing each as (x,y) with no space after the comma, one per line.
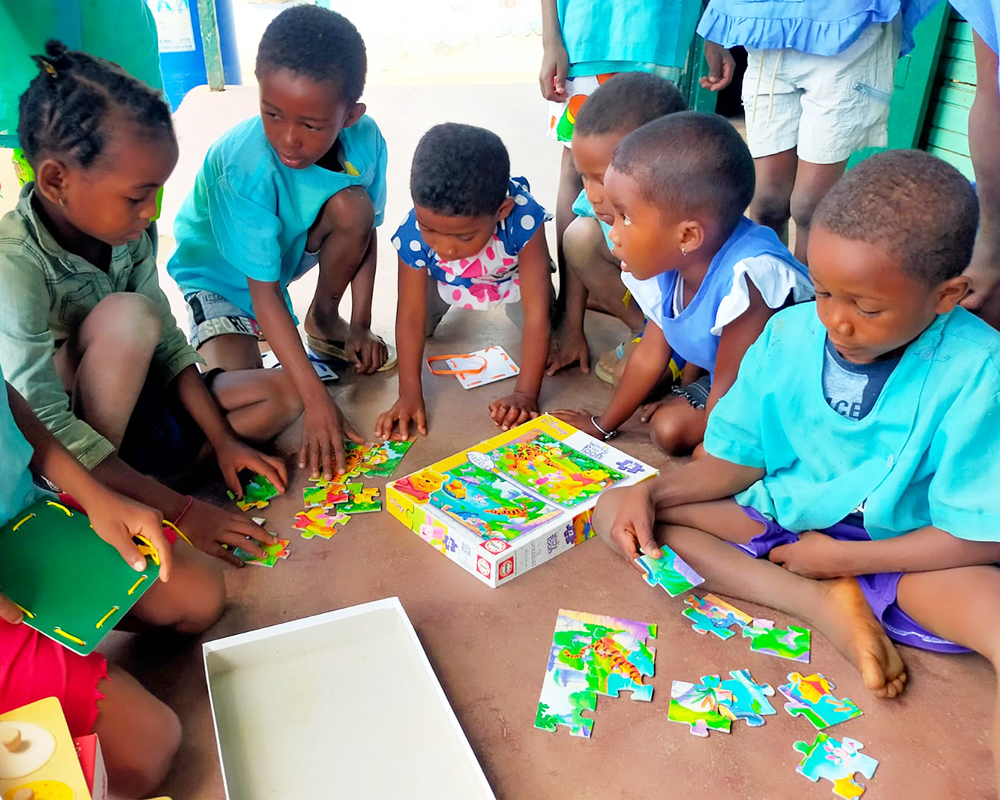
(715,615)
(274,551)
(792,642)
(630,466)
(699,706)
(592,654)
(256,494)
(747,699)
(327,494)
(319,522)
(377,460)
(811,697)
(362,500)
(670,571)
(836,761)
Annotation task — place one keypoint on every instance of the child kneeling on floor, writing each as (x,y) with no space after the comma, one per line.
(475,239)
(139,734)
(300,185)
(707,278)
(860,439)
(86,333)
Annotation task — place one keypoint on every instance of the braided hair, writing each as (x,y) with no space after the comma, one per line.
(66,107)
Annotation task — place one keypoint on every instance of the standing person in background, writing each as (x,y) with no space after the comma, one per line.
(585,43)
(984,122)
(817,89)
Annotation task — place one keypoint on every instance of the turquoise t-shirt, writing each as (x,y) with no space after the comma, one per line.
(17,491)
(926,454)
(583,208)
(248,214)
(647,32)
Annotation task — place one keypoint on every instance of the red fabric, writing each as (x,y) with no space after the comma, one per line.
(33,667)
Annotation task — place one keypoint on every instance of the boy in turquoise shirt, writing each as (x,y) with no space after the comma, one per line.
(859,439)
(301,185)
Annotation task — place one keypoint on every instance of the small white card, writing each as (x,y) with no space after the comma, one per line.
(270,361)
(499,365)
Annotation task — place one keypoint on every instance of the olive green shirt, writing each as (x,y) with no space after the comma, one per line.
(47,292)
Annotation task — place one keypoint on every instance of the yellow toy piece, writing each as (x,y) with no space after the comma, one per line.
(38,759)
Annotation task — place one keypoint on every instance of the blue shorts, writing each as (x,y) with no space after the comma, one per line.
(879,589)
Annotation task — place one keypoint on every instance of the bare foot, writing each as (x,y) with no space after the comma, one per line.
(854,631)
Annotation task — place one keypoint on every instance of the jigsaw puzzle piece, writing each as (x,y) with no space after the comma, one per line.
(792,642)
(256,494)
(324,495)
(670,572)
(837,762)
(592,654)
(362,500)
(812,697)
(319,522)
(711,614)
(748,699)
(700,706)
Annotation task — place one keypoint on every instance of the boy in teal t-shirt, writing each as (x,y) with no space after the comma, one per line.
(859,439)
(301,185)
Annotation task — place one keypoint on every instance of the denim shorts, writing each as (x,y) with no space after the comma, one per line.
(213,315)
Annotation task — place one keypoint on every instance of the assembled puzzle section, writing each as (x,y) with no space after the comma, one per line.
(82,588)
(836,761)
(514,501)
(812,697)
(37,756)
(593,654)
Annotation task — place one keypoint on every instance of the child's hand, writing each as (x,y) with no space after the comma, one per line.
(632,528)
(552,77)
(720,67)
(512,410)
(403,412)
(566,350)
(646,410)
(323,439)
(366,350)
(9,611)
(116,519)
(209,527)
(234,456)
(580,419)
(816,555)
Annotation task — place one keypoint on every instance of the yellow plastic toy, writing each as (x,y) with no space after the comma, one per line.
(38,760)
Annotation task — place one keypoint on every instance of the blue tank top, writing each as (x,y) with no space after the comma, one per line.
(690,332)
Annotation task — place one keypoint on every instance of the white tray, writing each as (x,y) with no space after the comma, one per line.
(339,705)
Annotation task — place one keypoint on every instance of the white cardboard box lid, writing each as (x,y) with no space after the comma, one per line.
(339,705)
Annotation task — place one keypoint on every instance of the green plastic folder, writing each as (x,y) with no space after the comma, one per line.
(71,585)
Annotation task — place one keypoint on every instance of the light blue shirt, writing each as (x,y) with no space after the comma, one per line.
(819,27)
(583,208)
(927,454)
(984,17)
(650,32)
(17,491)
(248,214)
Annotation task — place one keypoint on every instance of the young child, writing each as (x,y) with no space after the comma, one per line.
(586,42)
(619,106)
(139,734)
(707,277)
(300,185)
(475,239)
(860,439)
(86,334)
(817,88)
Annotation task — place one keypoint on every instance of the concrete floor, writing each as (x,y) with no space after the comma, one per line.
(489,647)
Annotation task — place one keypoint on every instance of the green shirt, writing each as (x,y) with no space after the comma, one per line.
(47,293)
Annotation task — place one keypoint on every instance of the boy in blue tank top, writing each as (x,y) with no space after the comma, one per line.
(707,278)
(859,439)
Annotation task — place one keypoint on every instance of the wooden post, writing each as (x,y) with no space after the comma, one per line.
(211,45)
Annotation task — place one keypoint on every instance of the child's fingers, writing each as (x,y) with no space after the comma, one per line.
(303,458)
(269,469)
(281,469)
(352,434)
(162,547)
(229,558)
(338,455)
(129,550)
(325,453)
(232,480)
(404,425)
(9,612)
(422,422)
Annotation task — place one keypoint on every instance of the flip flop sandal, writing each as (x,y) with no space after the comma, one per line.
(335,351)
(605,367)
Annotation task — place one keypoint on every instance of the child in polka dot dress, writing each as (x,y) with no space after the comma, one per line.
(475,239)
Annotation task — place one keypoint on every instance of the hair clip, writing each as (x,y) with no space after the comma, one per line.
(47,65)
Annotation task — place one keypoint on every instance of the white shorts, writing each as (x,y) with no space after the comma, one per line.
(826,106)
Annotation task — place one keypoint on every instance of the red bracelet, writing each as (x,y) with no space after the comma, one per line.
(187,505)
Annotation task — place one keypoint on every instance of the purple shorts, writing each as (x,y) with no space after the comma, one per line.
(879,589)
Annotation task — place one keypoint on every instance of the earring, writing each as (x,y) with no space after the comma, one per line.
(684,251)
(62,201)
